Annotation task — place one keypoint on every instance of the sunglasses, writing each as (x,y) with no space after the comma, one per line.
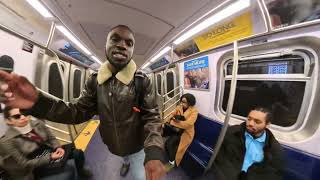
(16,116)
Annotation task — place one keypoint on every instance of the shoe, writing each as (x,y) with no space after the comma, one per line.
(169,166)
(84,172)
(124,169)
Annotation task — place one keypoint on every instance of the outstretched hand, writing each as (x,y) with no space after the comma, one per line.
(16,91)
(154,170)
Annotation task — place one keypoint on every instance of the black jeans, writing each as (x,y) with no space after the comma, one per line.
(171,147)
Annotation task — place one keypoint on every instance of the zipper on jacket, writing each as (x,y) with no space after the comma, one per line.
(113,114)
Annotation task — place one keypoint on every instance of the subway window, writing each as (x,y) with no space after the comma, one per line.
(76,83)
(170,83)
(159,84)
(259,83)
(55,81)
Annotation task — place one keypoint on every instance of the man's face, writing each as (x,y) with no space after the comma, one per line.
(119,47)
(256,123)
(17,119)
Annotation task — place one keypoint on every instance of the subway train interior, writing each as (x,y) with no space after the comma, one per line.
(230,54)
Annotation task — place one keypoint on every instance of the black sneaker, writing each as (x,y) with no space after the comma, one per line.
(124,169)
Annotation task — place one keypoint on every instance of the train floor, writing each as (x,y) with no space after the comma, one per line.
(106,166)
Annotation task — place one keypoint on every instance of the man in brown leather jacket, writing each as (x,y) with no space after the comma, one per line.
(126,127)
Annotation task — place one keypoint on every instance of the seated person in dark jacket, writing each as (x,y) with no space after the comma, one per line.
(28,146)
(249,151)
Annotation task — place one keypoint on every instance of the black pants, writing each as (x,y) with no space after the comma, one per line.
(171,147)
(78,156)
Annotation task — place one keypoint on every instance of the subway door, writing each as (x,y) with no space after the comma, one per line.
(56,84)
(76,82)
(159,90)
(88,73)
(171,95)
(152,82)
(51,80)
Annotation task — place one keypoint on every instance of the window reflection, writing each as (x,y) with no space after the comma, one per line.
(289,12)
(274,95)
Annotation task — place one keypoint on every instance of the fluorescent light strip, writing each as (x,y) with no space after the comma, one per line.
(96,59)
(146,65)
(40,8)
(73,39)
(162,52)
(226,12)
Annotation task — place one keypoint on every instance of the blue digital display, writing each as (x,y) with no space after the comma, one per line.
(73,52)
(280,68)
(163,61)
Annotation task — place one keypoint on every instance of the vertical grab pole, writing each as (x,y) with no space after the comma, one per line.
(51,33)
(229,107)
(164,94)
(265,14)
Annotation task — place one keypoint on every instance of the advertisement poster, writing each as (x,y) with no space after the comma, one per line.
(27,46)
(227,32)
(196,73)
(220,34)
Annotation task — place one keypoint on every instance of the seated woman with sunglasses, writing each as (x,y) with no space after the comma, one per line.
(184,117)
(29,150)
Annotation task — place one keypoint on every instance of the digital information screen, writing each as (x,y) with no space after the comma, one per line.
(73,52)
(279,68)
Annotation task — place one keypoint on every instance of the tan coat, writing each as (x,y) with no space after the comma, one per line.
(190,115)
(14,150)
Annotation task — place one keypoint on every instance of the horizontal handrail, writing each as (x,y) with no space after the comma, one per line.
(172,98)
(64,140)
(56,129)
(171,105)
(25,38)
(168,114)
(171,91)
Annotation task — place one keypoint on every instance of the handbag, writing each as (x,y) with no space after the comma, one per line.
(170,130)
(55,166)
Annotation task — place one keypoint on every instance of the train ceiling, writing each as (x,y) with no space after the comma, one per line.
(154,22)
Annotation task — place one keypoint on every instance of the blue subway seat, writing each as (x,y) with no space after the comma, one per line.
(299,165)
(200,150)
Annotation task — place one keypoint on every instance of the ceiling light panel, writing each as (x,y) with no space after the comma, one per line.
(63,30)
(40,8)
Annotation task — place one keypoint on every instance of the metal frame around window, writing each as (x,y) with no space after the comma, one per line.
(305,77)
(174,82)
(73,69)
(46,79)
(156,80)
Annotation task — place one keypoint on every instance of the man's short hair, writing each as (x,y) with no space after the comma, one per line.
(121,26)
(267,111)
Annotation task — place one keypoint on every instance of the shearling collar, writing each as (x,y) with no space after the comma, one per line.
(125,75)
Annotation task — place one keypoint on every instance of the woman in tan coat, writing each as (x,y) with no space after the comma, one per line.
(190,113)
